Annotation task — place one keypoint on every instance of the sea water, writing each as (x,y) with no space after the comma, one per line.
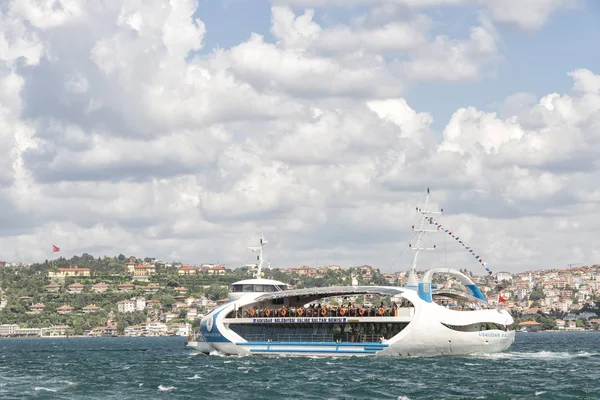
(538,366)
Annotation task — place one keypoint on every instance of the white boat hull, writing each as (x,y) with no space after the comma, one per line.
(200,347)
(464,343)
(432,330)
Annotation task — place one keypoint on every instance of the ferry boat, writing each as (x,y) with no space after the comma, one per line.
(264,317)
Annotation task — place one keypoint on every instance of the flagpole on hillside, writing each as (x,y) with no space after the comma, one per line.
(55,249)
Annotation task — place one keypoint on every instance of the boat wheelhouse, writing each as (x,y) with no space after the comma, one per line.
(248,286)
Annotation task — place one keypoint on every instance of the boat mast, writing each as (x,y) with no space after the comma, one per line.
(259,258)
(413,280)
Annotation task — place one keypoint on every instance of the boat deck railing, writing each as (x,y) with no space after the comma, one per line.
(304,338)
(323,338)
(255,338)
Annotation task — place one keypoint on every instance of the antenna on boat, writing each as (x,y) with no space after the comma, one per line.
(413,280)
(259,258)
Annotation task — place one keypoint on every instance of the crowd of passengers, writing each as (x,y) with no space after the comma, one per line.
(350,310)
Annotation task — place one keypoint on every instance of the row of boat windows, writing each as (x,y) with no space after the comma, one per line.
(478,327)
(256,288)
(294,332)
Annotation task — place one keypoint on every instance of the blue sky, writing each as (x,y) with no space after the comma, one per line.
(229,23)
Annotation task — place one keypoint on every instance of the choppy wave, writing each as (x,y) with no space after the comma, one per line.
(557,366)
(37,388)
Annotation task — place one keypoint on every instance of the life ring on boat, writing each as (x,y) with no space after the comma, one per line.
(323,311)
(381,311)
(283,312)
(342,311)
(361,312)
(299,312)
(267,312)
(252,313)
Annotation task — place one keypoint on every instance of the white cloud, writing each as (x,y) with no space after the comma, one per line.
(527,15)
(555,130)
(120,132)
(455,60)
(524,14)
(303,33)
(18,42)
(46,15)
(358,59)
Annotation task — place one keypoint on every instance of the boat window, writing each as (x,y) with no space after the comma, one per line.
(247,288)
(282,287)
(480,326)
(258,288)
(235,288)
(268,288)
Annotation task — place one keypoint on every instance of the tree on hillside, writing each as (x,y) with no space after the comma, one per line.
(557,314)
(536,295)
(215,292)
(173,282)
(547,323)
(127,319)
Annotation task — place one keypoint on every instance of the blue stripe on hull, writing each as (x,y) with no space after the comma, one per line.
(303,347)
(304,351)
(313,344)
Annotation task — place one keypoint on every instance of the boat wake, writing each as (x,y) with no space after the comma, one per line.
(535,355)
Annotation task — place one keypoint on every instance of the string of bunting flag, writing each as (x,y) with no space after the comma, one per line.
(468,248)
